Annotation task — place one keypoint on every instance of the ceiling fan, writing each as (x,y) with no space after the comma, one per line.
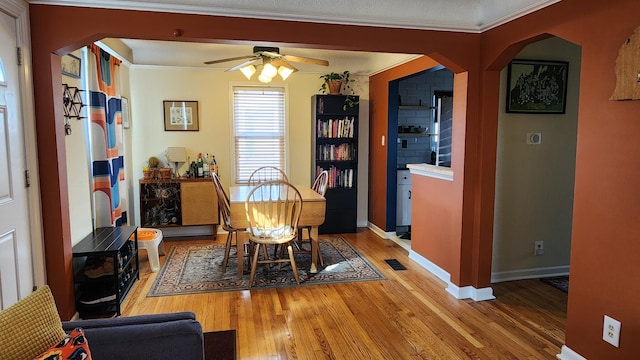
(270,61)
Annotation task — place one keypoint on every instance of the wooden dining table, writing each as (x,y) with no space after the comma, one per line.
(313,210)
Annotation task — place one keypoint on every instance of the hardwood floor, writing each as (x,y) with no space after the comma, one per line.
(407,316)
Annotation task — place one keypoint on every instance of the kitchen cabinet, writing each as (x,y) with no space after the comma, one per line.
(403,208)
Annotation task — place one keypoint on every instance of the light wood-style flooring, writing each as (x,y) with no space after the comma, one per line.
(407,316)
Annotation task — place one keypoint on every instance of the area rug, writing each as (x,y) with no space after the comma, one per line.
(558,282)
(220,345)
(191,269)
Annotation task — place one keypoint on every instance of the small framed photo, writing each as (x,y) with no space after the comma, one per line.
(180,115)
(537,86)
(126,121)
(71,66)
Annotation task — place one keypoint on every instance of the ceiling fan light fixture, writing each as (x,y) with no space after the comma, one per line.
(248,71)
(269,70)
(263,78)
(284,72)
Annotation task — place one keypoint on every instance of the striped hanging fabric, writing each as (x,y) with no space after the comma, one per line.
(107,153)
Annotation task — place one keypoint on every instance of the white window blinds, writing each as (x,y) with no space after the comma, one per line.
(259,129)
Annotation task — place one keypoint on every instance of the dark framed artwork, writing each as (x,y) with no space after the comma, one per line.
(537,86)
(180,115)
(71,65)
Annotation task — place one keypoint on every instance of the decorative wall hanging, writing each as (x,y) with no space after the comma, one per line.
(180,115)
(72,100)
(628,69)
(537,87)
(71,65)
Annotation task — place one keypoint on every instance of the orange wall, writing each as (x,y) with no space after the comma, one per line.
(437,204)
(378,114)
(604,244)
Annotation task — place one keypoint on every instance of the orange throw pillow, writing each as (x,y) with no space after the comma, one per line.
(73,347)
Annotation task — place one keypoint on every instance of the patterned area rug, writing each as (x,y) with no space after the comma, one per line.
(558,282)
(192,269)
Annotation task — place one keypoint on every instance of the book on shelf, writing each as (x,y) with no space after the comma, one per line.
(338,178)
(335,128)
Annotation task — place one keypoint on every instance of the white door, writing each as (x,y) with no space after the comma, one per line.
(16,274)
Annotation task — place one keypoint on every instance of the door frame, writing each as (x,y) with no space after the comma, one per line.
(19,10)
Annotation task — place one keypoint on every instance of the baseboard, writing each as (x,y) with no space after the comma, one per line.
(202,230)
(465,292)
(529,273)
(380,232)
(567,354)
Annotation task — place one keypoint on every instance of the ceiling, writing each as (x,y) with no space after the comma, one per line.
(448,15)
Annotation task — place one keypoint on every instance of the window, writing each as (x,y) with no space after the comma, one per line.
(3,79)
(258,129)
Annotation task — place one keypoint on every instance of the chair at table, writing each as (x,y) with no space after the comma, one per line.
(224,205)
(273,209)
(267,173)
(319,186)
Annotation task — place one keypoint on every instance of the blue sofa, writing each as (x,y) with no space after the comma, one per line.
(159,336)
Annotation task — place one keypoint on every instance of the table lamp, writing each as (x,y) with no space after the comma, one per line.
(176,155)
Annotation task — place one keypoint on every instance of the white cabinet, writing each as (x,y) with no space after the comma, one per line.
(403,209)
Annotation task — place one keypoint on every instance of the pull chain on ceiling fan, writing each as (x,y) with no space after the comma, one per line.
(270,63)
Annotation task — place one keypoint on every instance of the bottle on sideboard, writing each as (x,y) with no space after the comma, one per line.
(205,165)
(199,165)
(213,167)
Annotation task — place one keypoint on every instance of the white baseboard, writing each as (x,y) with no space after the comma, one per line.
(380,232)
(529,273)
(465,292)
(567,354)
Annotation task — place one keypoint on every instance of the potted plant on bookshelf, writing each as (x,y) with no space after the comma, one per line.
(339,83)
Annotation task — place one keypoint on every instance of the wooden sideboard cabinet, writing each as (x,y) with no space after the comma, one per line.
(178,202)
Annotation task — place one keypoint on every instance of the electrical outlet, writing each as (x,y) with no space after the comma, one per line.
(611,331)
(538,248)
(534,138)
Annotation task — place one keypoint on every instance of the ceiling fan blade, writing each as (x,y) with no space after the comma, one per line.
(271,54)
(246,63)
(306,60)
(230,59)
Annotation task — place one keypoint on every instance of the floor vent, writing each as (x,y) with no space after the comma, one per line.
(395,264)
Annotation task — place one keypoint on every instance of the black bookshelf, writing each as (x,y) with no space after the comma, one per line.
(335,149)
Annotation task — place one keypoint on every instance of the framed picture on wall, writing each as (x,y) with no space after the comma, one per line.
(71,66)
(537,86)
(180,115)
(126,121)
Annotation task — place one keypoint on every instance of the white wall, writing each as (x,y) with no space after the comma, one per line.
(212,89)
(534,183)
(78,177)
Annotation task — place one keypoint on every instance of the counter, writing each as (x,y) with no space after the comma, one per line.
(433,171)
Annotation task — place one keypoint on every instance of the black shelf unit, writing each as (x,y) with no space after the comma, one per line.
(105,267)
(335,149)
